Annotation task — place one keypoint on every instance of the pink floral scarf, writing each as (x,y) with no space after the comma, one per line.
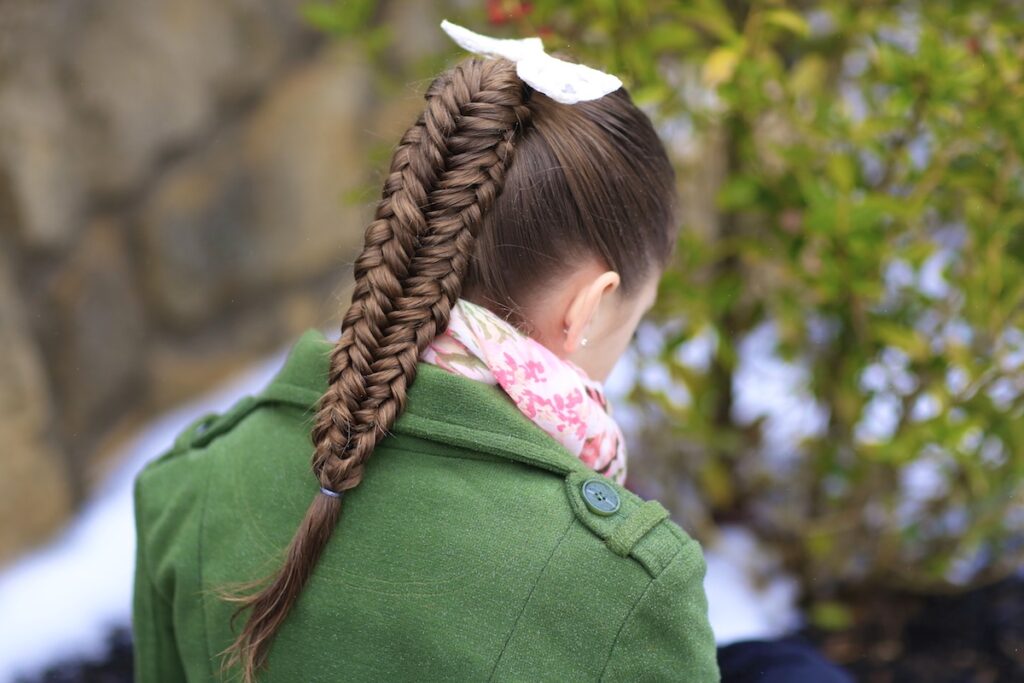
(555,393)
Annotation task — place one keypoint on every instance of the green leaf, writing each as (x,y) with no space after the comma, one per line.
(907,339)
(720,66)
(787,19)
(830,615)
(738,192)
(808,75)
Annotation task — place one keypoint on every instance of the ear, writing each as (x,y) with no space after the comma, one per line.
(584,306)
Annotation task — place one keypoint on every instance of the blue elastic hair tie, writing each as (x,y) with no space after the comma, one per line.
(332,494)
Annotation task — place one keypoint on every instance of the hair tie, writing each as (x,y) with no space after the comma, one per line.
(562,81)
(332,494)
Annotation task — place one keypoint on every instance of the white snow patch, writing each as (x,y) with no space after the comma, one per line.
(750,597)
(60,601)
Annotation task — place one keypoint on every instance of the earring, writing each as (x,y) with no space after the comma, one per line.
(583,341)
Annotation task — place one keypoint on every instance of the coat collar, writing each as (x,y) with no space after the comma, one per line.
(441,407)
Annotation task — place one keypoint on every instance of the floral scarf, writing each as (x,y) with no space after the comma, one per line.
(555,393)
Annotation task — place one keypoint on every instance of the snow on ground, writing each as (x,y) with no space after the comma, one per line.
(749,596)
(61,600)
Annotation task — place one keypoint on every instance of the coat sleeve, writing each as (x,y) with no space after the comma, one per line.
(667,635)
(155,648)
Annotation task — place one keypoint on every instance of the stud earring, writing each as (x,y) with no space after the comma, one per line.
(583,341)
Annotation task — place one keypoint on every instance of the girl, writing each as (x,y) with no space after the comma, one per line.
(465,518)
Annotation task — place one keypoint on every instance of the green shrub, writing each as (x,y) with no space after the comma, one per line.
(854,204)
(868,228)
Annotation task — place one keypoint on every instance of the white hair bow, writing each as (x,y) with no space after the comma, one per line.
(561,81)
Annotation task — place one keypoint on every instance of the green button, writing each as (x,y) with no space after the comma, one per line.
(600,497)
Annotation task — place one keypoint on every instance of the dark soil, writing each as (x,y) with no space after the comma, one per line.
(977,637)
(116,667)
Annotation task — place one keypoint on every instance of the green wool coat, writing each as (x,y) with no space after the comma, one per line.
(469,551)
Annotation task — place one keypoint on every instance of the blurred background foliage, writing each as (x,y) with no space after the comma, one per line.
(864,235)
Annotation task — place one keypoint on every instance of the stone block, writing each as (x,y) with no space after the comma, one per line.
(264,206)
(35,492)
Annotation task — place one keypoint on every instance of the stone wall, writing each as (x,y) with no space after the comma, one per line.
(173,176)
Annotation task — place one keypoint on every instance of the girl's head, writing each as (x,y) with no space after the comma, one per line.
(589,192)
(557,217)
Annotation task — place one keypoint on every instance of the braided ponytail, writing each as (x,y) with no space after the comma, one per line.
(446,172)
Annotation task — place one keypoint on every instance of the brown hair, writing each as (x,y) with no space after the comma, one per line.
(458,218)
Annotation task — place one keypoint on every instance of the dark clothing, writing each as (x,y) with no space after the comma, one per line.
(791,660)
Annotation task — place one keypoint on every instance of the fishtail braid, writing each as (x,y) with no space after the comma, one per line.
(445,173)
